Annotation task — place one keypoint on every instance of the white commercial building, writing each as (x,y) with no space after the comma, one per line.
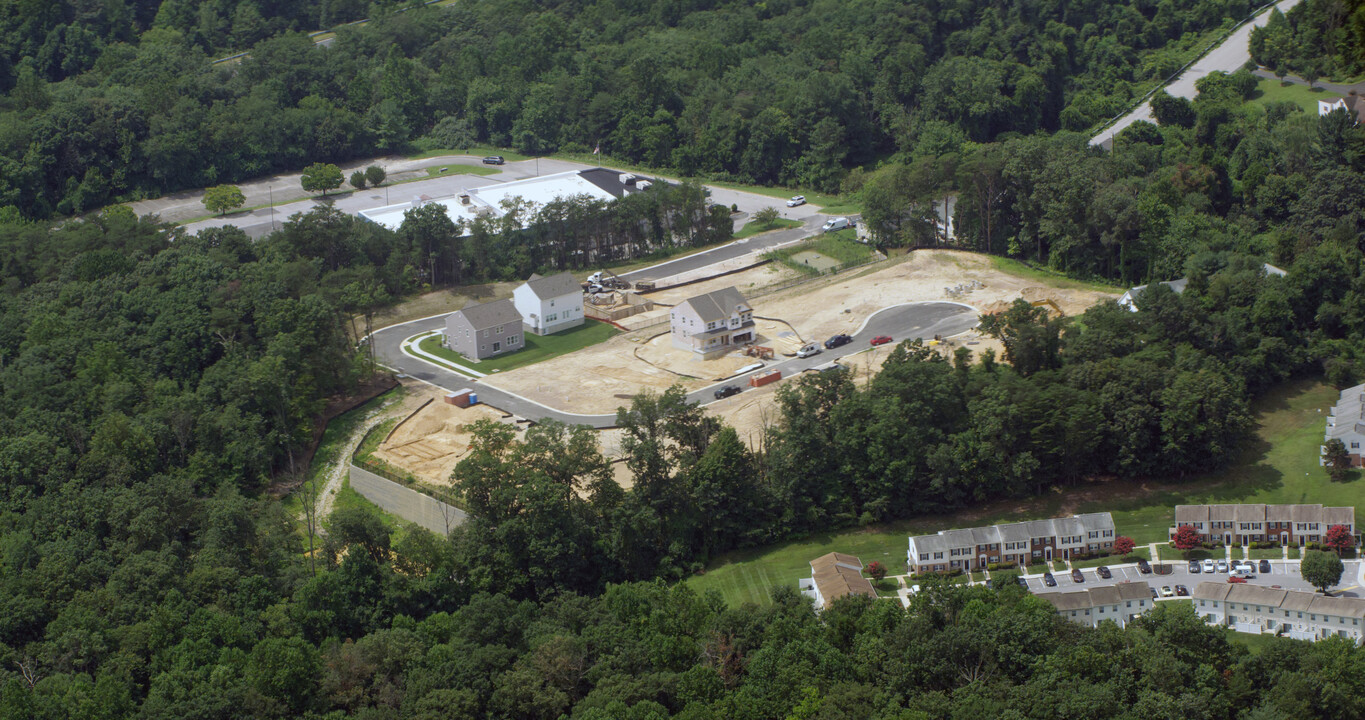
(493,201)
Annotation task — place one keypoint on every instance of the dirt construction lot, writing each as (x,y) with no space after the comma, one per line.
(430,443)
(603,377)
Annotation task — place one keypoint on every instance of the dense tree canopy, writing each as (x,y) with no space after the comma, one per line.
(123,101)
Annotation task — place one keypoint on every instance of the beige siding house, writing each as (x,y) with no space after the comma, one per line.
(713,324)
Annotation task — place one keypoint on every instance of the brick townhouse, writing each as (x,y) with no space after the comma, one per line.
(1242,524)
(975,548)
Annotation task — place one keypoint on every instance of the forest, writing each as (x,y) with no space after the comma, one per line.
(157,388)
(118,100)
(1315,38)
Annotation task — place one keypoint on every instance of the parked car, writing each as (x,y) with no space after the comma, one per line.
(809,350)
(1048,580)
(1194,567)
(1265,567)
(836,224)
(1236,579)
(1208,565)
(1077,575)
(796,200)
(727,391)
(837,341)
(881,340)
(1223,566)
(1182,591)
(1144,567)
(1103,572)
(1022,582)
(493,160)
(1166,591)
(1155,595)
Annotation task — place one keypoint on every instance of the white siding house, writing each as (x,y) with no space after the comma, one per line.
(549,304)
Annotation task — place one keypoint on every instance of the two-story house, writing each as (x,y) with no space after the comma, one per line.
(1247,523)
(549,304)
(483,330)
(975,548)
(711,325)
(835,575)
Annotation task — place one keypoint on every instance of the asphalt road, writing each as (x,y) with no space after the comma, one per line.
(1230,55)
(1285,574)
(901,322)
(765,241)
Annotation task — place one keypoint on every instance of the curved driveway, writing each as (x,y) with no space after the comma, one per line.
(901,322)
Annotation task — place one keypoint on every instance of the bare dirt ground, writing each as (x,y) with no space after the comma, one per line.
(603,377)
(430,443)
(747,282)
(438,302)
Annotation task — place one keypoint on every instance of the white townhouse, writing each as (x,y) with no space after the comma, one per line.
(549,304)
(1301,615)
(1120,602)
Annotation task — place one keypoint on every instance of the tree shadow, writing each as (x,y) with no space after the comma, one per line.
(1350,476)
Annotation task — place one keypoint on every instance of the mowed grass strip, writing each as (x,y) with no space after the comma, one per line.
(1269,91)
(537,347)
(1280,465)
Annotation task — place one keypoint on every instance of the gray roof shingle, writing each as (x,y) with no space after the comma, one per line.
(718,304)
(554,286)
(490,314)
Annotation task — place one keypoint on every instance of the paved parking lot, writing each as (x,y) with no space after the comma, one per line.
(1284,574)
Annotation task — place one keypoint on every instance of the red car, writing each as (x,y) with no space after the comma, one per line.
(881,340)
(1235,579)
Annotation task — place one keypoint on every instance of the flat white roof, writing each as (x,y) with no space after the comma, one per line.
(487,200)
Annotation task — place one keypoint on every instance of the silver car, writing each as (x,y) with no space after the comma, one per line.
(1208,565)
(1223,566)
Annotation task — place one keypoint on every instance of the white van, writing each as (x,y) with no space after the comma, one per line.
(808,350)
(833,224)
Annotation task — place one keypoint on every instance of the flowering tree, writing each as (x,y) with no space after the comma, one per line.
(1339,538)
(1186,538)
(1123,545)
(876,570)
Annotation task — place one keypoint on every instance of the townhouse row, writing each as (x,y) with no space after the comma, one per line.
(975,548)
(1243,524)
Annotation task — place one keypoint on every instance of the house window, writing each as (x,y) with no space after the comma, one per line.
(499,329)
(1130,603)
(513,340)
(924,556)
(485,333)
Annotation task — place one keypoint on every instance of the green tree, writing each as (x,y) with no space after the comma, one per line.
(1032,340)
(358,179)
(321,177)
(375,175)
(767,217)
(1336,460)
(222,198)
(1170,110)
(1321,569)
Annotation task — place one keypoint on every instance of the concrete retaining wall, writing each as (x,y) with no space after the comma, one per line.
(406,503)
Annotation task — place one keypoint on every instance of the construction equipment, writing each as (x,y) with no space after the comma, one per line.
(1050,304)
(607,280)
(758,351)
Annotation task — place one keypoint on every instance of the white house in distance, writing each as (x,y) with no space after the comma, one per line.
(1352,104)
(711,325)
(976,548)
(549,304)
(1129,297)
(1346,422)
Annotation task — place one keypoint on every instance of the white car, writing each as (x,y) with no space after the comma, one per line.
(796,200)
(809,350)
(1208,565)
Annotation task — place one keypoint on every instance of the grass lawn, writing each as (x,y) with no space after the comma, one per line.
(1058,565)
(1096,562)
(1279,466)
(1051,277)
(840,246)
(887,587)
(422,150)
(1269,91)
(1266,554)
(538,347)
(1257,644)
(459,169)
(1294,552)
(753,227)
